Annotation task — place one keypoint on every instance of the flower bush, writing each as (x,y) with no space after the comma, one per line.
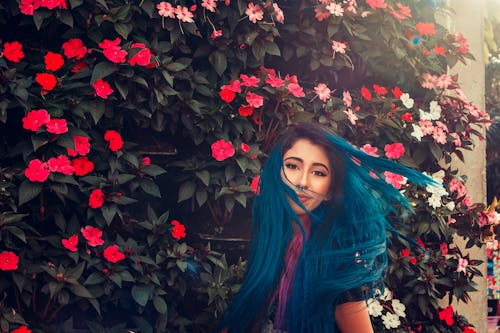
(121,122)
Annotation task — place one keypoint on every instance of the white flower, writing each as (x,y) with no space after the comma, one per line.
(417,132)
(434,201)
(398,307)
(407,100)
(374,307)
(391,320)
(436,189)
(450,205)
(387,295)
(438,176)
(435,110)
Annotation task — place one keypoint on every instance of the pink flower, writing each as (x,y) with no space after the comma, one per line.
(369,150)
(339,47)
(347,99)
(295,89)
(394,151)
(216,34)
(92,235)
(322,91)
(439,135)
(183,14)
(279,13)
(57,126)
(165,9)
(394,179)
(374,4)
(321,14)
(274,81)
(462,265)
(351,116)
(28,7)
(112,50)
(254,12)
(249,81)
(222,150)
(254,100)
(335,9)
(209,5)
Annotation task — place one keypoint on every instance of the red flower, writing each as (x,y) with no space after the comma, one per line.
(82,146)
(51,4)
(21,329)
(379,89)
(420,242)
(366,93)
(141,58)
(254,100)
(146,161)
(413,260)
(394,151)
(405,253)
(37,171)
(82,166)
(53,61)
(425,28)
(468,329)
(222,150)
(35,119)
(112,50)
(46,80)
(295,89)
(407,117)
(245,110)
(227,95)
(28,7)
(79,66)
(274,81)
(8,261)
(102,88)
(245,148)
(254,185)
(178,230)
(439,50)
(96,198)
(70,243)
(92,235)
(216,34)
(396,92)
(13,51)
(444,248)
(112,254)
(249,81)
(447,315)
(74,48)
(57,126)
(61,164)
(115,140)
(257,120)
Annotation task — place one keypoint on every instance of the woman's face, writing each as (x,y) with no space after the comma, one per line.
(308,171)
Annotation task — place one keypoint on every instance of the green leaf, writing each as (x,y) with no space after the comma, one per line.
(204,176)
(273,49)
(186,191)
(124,178)
(94,278)
(123,29)
(98,111)
(80,290)
(19,233)
(201,197)
(28,191)
(109,212)
(101,70)
(176,67)
(160,304)
(154,170)
(66,17)
(141,294)
(103,3)
(150,187)
(219,62)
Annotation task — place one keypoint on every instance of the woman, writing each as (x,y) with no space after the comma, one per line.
(319,236)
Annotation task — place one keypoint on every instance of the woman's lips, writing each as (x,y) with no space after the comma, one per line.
(303,198)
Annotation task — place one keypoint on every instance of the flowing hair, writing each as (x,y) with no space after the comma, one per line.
(346,247)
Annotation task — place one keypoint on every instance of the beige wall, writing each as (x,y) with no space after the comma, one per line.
(468,19)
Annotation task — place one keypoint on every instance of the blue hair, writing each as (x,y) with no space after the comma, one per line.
(346,248)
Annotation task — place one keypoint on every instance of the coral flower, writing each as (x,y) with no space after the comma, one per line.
(394,150)
(57,126)
(92,235)
(112,254)
(222,150)
(70,243)
(96,199)
(102,88)
(8,261)
(37,171)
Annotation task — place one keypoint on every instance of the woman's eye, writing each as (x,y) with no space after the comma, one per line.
(319,173)
(291,166)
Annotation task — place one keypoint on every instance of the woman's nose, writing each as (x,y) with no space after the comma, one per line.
(303,180)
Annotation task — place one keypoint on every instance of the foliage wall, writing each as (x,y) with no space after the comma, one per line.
(119,119)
